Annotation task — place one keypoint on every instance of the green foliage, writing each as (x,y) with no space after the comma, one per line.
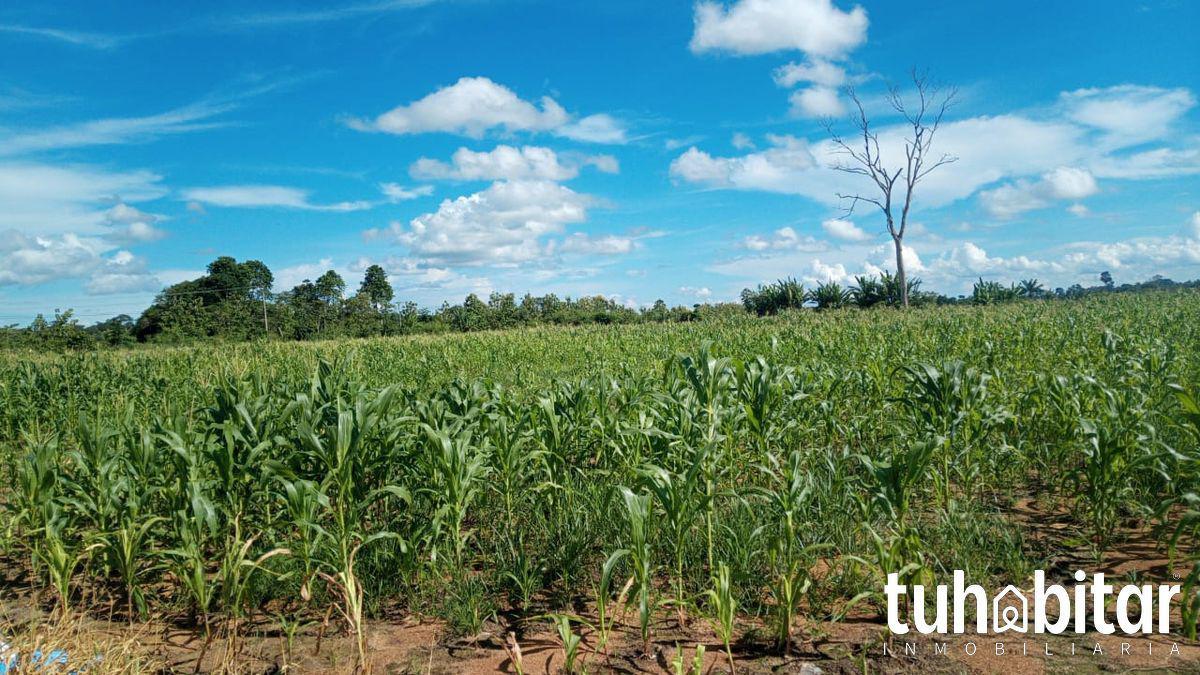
(1031,288)
(830,295)
(723,609)
(992,292)
(885,290)
(739,467)
(771,299)
(376,288)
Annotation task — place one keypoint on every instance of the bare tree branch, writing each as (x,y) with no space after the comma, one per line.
(863,157)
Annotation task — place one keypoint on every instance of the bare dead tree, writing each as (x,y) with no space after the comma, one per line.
(863,158)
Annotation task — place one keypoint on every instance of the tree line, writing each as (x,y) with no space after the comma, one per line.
(233,301)
(889,290)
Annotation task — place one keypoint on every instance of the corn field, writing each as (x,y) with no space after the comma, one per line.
(749,475)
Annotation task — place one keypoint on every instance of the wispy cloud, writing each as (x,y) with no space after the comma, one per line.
(116,130)
(310,16)
(195,116)
(15,98)
(265,196)
(219,23)
(43,199)
(80,38)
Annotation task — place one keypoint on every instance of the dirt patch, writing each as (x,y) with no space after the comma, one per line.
(408,644)
(851,646)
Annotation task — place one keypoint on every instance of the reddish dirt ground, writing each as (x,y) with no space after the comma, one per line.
(854,645)
(850,646)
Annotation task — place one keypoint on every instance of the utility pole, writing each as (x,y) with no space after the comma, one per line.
(265,329)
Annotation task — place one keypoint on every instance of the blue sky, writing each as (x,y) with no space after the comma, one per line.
(638,150)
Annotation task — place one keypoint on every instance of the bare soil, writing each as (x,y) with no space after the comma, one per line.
(857,644)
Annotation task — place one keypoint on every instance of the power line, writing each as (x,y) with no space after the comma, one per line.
(210,290)
(191,292)
(98,311)
(43,305)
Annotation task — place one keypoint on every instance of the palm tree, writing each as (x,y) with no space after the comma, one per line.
(898,290)
(829,295)
(1031,288)
(867,291)
(992,292)
(771,299)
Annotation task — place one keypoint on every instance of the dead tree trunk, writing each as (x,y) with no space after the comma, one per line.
(921,123)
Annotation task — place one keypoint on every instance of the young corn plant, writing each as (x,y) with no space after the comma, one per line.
(570,641)
(710,380)
(524,572)
(195,526)
(343,453)
(892,485)
(722,607)
(516,464)
(1189,605)
(130,551)
(681,498)
(232,580)
(1118,446)
(951,403)
(188,564)
(604,620)
(456,469)
(1188,521)
(787,496)
(639,514)
(348,587)
(681,666)
(763,390)
(305,505)
(37,481)
(60,559)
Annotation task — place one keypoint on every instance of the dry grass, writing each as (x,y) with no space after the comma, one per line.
(76,644)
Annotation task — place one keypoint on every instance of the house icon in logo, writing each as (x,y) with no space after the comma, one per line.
(1010,611)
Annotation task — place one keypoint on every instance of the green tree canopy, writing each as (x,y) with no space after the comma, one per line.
(376,288)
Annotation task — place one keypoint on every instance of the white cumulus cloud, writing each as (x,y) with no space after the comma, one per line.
(395,192)
(820,273)
(599,128)
(26,260)
(1063,183)
(845,230)
(1025,150)
(1070,183)
(816,102)
(131,225)
(473,106)
(504,162)
(813,71)
(501,225)
(783,239)
(816,27)
(580,243)
(780,168)
(45,199)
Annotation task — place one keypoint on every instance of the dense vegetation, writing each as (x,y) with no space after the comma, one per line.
(884,290)
(233,302)
(738,469)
